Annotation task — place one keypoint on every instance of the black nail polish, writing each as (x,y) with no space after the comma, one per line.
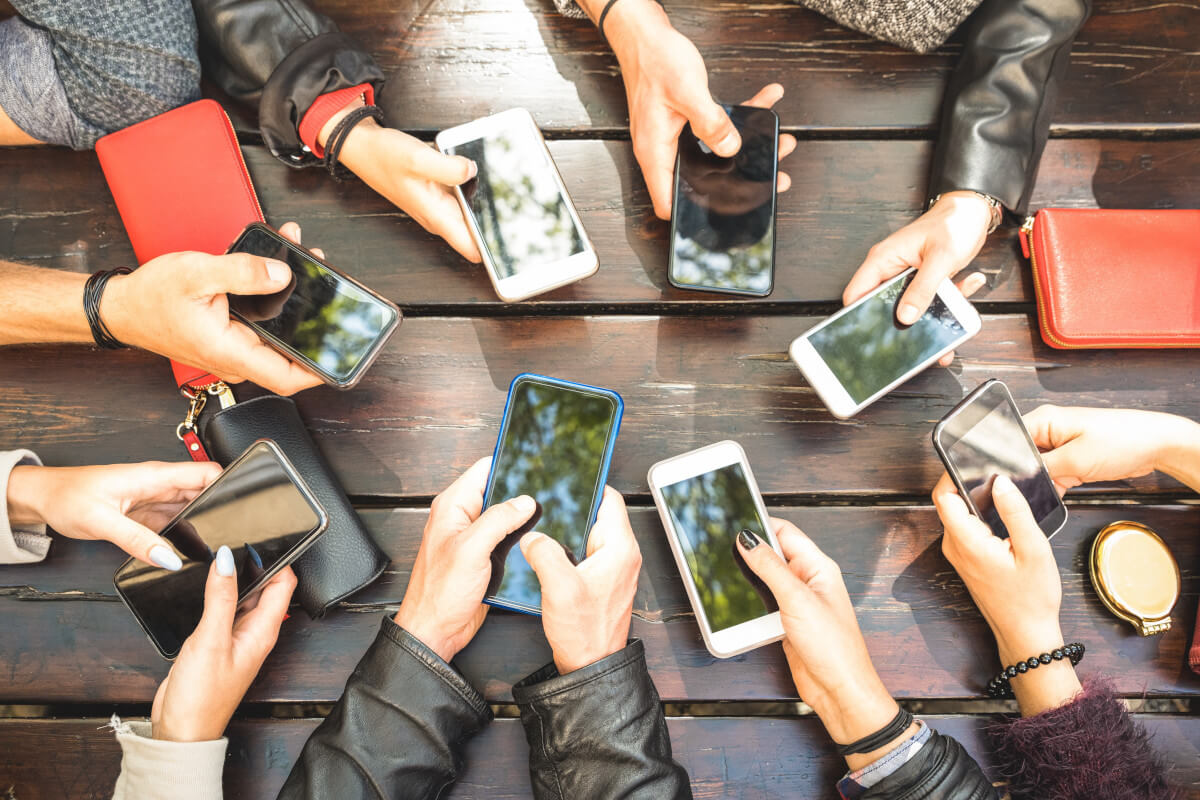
(748,539)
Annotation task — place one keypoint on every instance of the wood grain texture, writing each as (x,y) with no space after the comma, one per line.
(67,638)
(432,404)
(56,211)
(746,758)
(1133,66)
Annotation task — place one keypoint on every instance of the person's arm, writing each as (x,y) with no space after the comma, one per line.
(180,752)
(592,716)
(399,729)
(833,673)
(996,113)
(1067,739)
(23,537)
(174,305)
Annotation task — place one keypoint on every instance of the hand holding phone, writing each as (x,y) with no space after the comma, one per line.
(587,608)
(861,353)
(323,319)
(983,438)
(259,508)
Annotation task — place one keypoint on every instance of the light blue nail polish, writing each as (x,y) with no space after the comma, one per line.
(225,565)
(163,556)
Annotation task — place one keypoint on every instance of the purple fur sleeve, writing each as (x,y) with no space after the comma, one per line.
(1089,748)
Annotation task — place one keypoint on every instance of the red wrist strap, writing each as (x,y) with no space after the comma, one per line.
(324,107)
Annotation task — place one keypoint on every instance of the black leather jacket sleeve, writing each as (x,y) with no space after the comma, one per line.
(996,114)
(282,55)
(940,770)
(398,730)
(599,732)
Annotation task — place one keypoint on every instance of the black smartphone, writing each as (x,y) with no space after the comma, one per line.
(325,320)
(555,445)
(723,216)
(984,437)
(259,507)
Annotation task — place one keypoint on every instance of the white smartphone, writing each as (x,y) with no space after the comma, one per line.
(517,207)
(705,498)
(861,353)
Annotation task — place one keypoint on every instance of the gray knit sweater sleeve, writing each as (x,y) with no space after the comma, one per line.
(74,70)
(569,8)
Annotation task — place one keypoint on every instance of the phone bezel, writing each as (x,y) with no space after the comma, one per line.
(830,389)
(285,560)
(744,636)
(534,279)
(295,355)
(695,287)
(1053,522)
(601,479)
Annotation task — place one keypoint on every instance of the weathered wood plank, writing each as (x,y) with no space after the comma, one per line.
(1133,66)
(67,638)
(432,404)
(747,758)
(55,210)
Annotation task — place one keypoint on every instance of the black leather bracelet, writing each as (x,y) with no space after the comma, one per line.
(1000,687)
(879,738)
(341,132)
(604,13)
(93,290)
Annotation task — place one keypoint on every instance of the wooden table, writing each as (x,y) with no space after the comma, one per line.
(692,368)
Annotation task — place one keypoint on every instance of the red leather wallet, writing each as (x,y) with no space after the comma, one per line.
(180,183)
(1113,278)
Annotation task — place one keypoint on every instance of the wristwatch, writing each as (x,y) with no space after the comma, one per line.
(994,207)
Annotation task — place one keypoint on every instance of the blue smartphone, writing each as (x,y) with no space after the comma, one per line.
(555,445)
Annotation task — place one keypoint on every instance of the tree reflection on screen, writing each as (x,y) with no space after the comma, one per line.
(553,450)
(707,512)
(866,349)
(522,216)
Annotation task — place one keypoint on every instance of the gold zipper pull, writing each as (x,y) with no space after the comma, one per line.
(1026,237)
(223,393)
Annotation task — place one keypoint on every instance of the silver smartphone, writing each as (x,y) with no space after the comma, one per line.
(861,353)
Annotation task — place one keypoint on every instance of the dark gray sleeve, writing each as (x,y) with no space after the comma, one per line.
(72,71)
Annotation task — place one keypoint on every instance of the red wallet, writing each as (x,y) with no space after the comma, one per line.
(180,183)
(1112,278)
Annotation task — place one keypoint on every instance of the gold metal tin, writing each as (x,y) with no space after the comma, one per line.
(1135,575)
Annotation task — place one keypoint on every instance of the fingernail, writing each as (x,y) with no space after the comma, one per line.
(278,271)
(908,314)
(978,279)
(525,504)
(748,539)
(163,556)
(472,169)
(225,565)
(729,145)
(1003,485)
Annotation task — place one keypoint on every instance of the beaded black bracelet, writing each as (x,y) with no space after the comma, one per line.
(879,738)
(341,132)
(1000,687)
(93,290)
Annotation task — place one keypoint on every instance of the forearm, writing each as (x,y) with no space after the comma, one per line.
(1179,455)
(627,23)
(41,306)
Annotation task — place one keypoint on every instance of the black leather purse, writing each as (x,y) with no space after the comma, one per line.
(345,558)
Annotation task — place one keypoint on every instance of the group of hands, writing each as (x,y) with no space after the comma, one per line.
(175,305)
(586,608)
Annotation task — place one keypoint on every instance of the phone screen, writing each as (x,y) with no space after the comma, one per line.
(554,447)
(520,211)
(987,438)
(723,222)
(255,509)
(707,512)
(324,318)
(867,349)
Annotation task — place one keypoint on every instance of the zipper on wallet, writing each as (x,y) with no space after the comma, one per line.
(197,398)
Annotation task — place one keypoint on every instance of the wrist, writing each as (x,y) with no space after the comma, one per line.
(972,205)
(855,711)
(1178,446)
(439,644)
(1021,644)
(117,311)
(569,662)
(25,494)
(630,23)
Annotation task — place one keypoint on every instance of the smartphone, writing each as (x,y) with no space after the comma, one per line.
(861,353)
(723,216)
(259,507)
(555,444)
(705,498)
(983,437)
(324,320)
(517,207)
